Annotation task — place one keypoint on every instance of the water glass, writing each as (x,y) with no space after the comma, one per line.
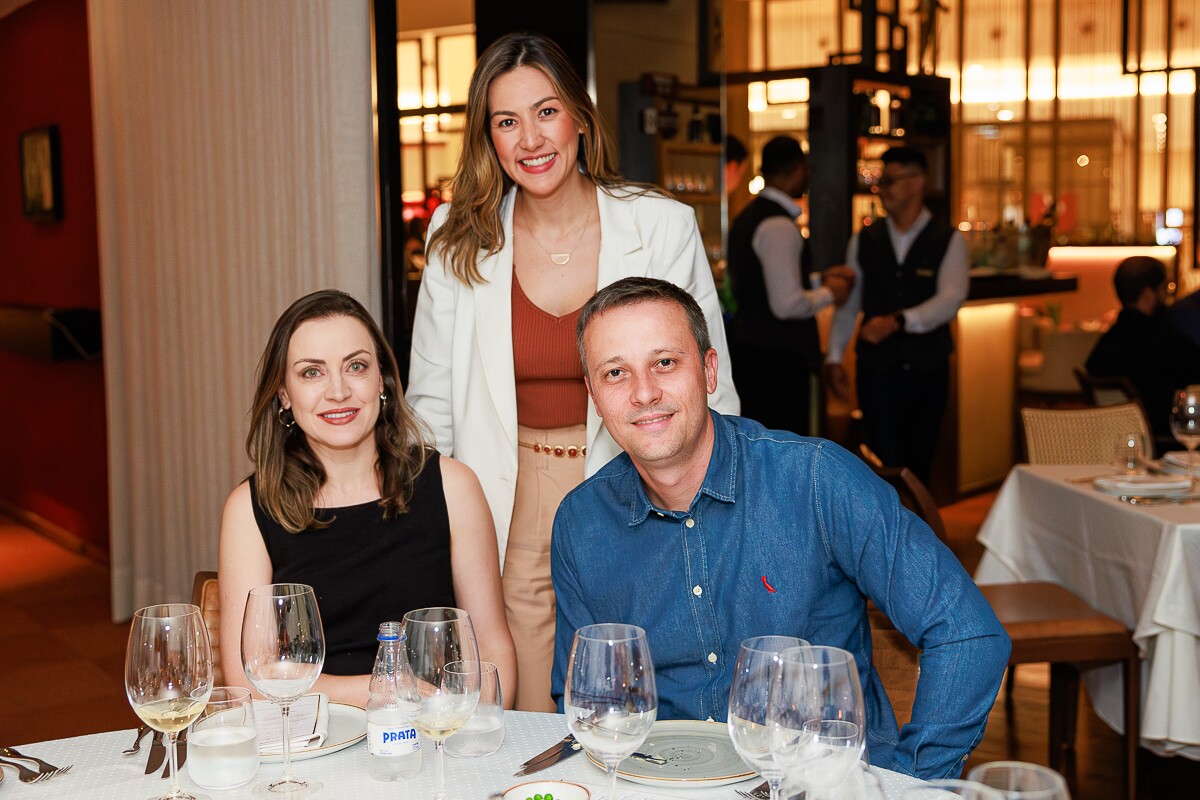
(223,744)
(1018,780)
(484,732)
(1130,453)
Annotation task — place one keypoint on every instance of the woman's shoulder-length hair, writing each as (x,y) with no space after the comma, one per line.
(288,474)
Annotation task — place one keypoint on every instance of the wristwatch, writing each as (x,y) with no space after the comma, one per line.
(899,317)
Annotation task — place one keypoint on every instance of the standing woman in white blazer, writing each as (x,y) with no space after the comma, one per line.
(539,219)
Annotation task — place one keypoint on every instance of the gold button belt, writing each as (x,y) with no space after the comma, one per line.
(558,450)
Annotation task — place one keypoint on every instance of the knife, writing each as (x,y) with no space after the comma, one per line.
(158,753)
(555,753)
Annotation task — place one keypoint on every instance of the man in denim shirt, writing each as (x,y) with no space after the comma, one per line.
(711,529)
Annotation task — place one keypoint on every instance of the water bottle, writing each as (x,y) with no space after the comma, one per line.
(393,750)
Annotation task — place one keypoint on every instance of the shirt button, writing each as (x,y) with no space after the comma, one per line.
(712,658)
(696,590)
(659,513)
(691,523)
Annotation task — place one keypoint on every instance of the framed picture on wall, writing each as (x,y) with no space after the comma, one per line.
(41,174)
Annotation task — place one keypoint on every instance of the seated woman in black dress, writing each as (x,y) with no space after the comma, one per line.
(347,498)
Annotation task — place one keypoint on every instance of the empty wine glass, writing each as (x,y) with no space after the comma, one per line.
(949,789)
(1185,423)
(444,657)
(283,651)
(1017,780)
(748,729)
(816,714)
(168,674)
(1131,453)
(610,696)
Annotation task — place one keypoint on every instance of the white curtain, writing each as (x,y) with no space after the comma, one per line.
(235,172)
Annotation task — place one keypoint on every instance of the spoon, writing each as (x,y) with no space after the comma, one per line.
(137,743)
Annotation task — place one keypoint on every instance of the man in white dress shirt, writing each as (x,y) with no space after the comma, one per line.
(912,278)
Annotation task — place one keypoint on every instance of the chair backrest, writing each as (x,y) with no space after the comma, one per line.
(1079,435)
(206,596)
(915,497)
(1106,391)
(897,661)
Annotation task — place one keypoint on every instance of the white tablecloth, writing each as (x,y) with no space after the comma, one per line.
(101,773)
(1138,564)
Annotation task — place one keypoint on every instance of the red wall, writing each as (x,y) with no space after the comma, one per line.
(53,445)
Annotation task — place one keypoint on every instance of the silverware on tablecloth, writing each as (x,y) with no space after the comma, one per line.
(44,767)
(137,743)
(562,751)
(24,773)
(1158,500)
(760,792)
(158,753)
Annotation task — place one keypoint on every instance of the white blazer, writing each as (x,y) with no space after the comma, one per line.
(461,375)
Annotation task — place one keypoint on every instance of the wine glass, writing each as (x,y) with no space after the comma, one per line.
(949,789)
(1131,453)
(748,693)
(610,696)
(444,657)
(1185,423)
(168,674)
(283,650)
(816,715)
(1018,780)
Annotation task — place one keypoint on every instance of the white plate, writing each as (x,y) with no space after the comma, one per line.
(347,726)
(698,754)
(1179,459)
(1143,485)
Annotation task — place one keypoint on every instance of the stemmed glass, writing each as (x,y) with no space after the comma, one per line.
(1185,423)
(1017,780)
(949,788)
(444,657)
(748,693)
(168,674)
(283,650)
(816,714)
(610,696)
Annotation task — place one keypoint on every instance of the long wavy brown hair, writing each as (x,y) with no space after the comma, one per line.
(288,475)
(473,225)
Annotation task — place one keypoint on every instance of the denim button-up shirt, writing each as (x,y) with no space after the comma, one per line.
(787,535)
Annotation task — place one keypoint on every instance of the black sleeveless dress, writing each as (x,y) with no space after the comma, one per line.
(366,570)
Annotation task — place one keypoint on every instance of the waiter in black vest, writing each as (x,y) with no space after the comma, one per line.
(773,336)
(912,278)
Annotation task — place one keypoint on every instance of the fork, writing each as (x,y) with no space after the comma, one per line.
(24,773)
(47,769)
(760,792)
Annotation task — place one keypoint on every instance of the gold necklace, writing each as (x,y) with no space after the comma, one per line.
(560,259)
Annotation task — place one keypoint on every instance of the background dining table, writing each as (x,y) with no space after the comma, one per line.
(100,772)
(1137,563)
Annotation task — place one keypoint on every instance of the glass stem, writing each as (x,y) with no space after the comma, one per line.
(612,782)
(284,708)
(439,770)
(773,785)
(172,763)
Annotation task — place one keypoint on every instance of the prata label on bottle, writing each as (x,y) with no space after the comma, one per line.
(386,740)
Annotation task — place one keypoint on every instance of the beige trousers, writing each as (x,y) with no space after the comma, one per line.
(543,479)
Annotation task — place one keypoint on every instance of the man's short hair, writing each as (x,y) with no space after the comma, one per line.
(735,151)
(628,292)
(906,156)
(781,155)
(1136,274)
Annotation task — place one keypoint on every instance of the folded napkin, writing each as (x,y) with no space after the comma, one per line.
(308,723)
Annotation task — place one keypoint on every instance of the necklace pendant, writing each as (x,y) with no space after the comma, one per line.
(561,259)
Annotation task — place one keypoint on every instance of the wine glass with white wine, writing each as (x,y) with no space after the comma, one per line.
(444,657)
(168,674)
(283,651)
(1185,423)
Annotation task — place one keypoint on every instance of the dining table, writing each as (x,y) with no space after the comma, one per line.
(100,772)
(1138,562)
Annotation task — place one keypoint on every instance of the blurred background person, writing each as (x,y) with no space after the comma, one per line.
(539,220)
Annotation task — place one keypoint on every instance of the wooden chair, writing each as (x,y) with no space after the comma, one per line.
(1079,435)
(1046,623)
(206,596)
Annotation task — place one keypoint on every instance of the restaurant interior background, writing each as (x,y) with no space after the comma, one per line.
(220,159)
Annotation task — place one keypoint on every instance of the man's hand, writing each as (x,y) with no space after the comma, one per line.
(838,383)
(840,280)
(876,329)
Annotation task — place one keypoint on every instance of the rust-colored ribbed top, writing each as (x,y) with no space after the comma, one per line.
(550,388)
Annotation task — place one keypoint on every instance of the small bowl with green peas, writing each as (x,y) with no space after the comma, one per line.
(547,790)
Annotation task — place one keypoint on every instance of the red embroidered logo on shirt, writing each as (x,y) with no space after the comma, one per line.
(770,588)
